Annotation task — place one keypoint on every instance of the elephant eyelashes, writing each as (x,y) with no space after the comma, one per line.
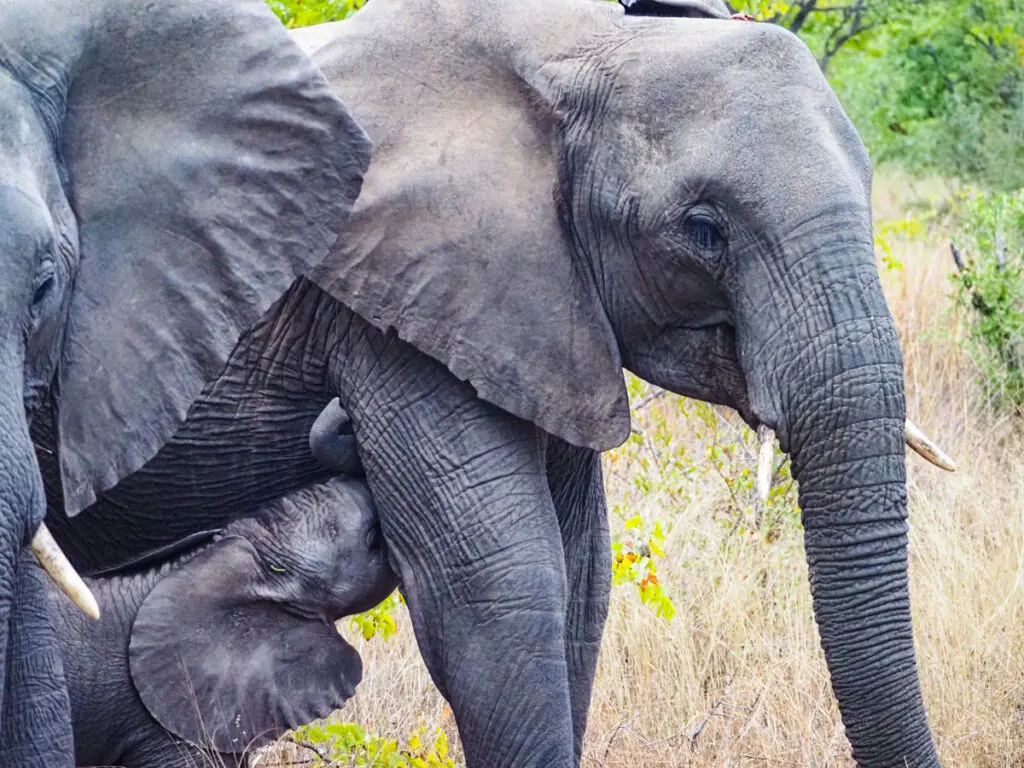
(704,232)
(43,290)
(46,281)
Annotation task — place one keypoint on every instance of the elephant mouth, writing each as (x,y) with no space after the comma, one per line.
(730,389)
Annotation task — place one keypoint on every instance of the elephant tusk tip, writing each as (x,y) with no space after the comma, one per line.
(56,564)
(926,447)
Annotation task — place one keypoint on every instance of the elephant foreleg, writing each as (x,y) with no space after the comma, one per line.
(577,489)
(462,493)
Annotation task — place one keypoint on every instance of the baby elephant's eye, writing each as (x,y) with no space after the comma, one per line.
(704,232)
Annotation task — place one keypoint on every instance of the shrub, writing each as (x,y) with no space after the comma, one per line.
(990,291)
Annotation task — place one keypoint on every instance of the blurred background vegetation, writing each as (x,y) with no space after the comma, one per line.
(711,656)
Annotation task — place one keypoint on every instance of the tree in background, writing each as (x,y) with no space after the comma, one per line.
(934,86)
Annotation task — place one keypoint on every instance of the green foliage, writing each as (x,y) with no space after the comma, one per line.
(937,86)
(907,228)
(633,562)
(348,744)
(934,86)
(302,13)
(990,291)
(666,468)
(730,449)
(379,620)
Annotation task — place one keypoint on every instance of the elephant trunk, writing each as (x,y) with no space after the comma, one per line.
(850,466)
(834,388)
(21,510)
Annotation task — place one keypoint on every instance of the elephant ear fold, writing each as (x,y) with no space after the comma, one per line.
(220,665)
(692,9)
(456,240)
(208,164)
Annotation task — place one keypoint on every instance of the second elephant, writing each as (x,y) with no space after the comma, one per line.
(559,191)
(230,643)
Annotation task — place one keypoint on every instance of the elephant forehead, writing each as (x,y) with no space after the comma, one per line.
(677,52)
(325,517)
(697,100)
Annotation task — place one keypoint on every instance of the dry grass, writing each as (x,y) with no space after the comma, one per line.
(737,678)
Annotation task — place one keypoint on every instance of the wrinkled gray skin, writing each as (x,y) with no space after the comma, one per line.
(166,170)
(557,191)
(257,606)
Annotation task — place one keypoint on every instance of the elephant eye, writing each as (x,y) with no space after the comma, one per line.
(43,290)
(46,280)
(704,232)
(373,538)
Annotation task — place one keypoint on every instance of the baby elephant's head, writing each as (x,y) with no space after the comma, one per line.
(238,644)
(321,549)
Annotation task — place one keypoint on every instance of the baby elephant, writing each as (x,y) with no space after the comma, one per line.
(229,644)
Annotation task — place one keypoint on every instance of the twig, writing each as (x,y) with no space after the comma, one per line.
(649,398)
(327,759)
(958,257)
(618,729)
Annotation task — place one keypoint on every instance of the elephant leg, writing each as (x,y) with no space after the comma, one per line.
(471,530)
(35,694)
(577,489)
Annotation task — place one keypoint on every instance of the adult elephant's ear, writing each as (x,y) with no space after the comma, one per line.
(208,163)
(456,240)
(219,662)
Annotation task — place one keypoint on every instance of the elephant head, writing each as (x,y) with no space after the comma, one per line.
(166,169)
(238,644)
(560,190)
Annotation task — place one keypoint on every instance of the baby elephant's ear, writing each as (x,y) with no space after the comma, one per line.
(220,666)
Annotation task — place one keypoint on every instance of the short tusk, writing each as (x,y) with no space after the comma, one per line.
(61,571)
(765,459)
(917,440)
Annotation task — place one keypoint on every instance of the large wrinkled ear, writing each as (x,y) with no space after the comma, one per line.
(218,664)
(208,164)
(456,241)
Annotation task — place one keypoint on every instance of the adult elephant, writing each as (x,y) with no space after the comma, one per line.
(166,169)
(559,190)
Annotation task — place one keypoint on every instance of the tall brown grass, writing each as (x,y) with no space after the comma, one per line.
(737,678)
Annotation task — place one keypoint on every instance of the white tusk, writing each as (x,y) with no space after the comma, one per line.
(765,459)
(61,571)
(917,440)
